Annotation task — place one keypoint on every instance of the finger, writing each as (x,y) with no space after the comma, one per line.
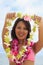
(8,15)
(37,18)
(11,15)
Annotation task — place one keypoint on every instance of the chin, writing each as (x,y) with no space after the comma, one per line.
(20,38)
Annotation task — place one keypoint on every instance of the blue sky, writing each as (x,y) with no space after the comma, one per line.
(25,6)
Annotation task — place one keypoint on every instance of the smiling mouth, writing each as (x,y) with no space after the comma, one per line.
(21,35)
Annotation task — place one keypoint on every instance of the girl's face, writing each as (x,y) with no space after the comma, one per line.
(21,31)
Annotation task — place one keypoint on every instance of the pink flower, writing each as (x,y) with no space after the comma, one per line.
(27,18)
(31,44)
(14,52)
(15,42)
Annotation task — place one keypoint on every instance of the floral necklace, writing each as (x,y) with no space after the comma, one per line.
(18,56)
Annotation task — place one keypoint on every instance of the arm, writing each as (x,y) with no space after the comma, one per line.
(8,16)
(37,46)
(5,30)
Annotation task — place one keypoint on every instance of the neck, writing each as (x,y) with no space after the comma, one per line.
(22,42)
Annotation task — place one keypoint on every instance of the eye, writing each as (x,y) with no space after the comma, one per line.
(25,28)
(18,27)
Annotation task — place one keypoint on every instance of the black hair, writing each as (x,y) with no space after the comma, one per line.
(27,24)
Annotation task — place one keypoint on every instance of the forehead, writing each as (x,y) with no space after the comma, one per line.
(21,23)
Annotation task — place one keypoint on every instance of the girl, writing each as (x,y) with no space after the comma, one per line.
(19,34)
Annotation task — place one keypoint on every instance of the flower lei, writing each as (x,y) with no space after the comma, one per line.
(16,55)
(13,53)
(20,56)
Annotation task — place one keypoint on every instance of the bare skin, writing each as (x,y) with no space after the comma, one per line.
(37,47)
(21,31)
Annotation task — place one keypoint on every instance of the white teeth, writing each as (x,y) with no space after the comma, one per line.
(21,35)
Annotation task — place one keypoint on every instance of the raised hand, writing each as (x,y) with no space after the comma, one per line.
(10,15)
(38,18)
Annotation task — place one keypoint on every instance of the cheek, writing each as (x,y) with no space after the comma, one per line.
(16,31)
(26,33)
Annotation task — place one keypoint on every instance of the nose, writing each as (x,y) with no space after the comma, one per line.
(21,30)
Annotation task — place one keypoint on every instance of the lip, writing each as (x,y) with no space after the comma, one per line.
(21,34)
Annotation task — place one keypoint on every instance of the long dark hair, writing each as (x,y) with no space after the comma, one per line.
(27,24)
